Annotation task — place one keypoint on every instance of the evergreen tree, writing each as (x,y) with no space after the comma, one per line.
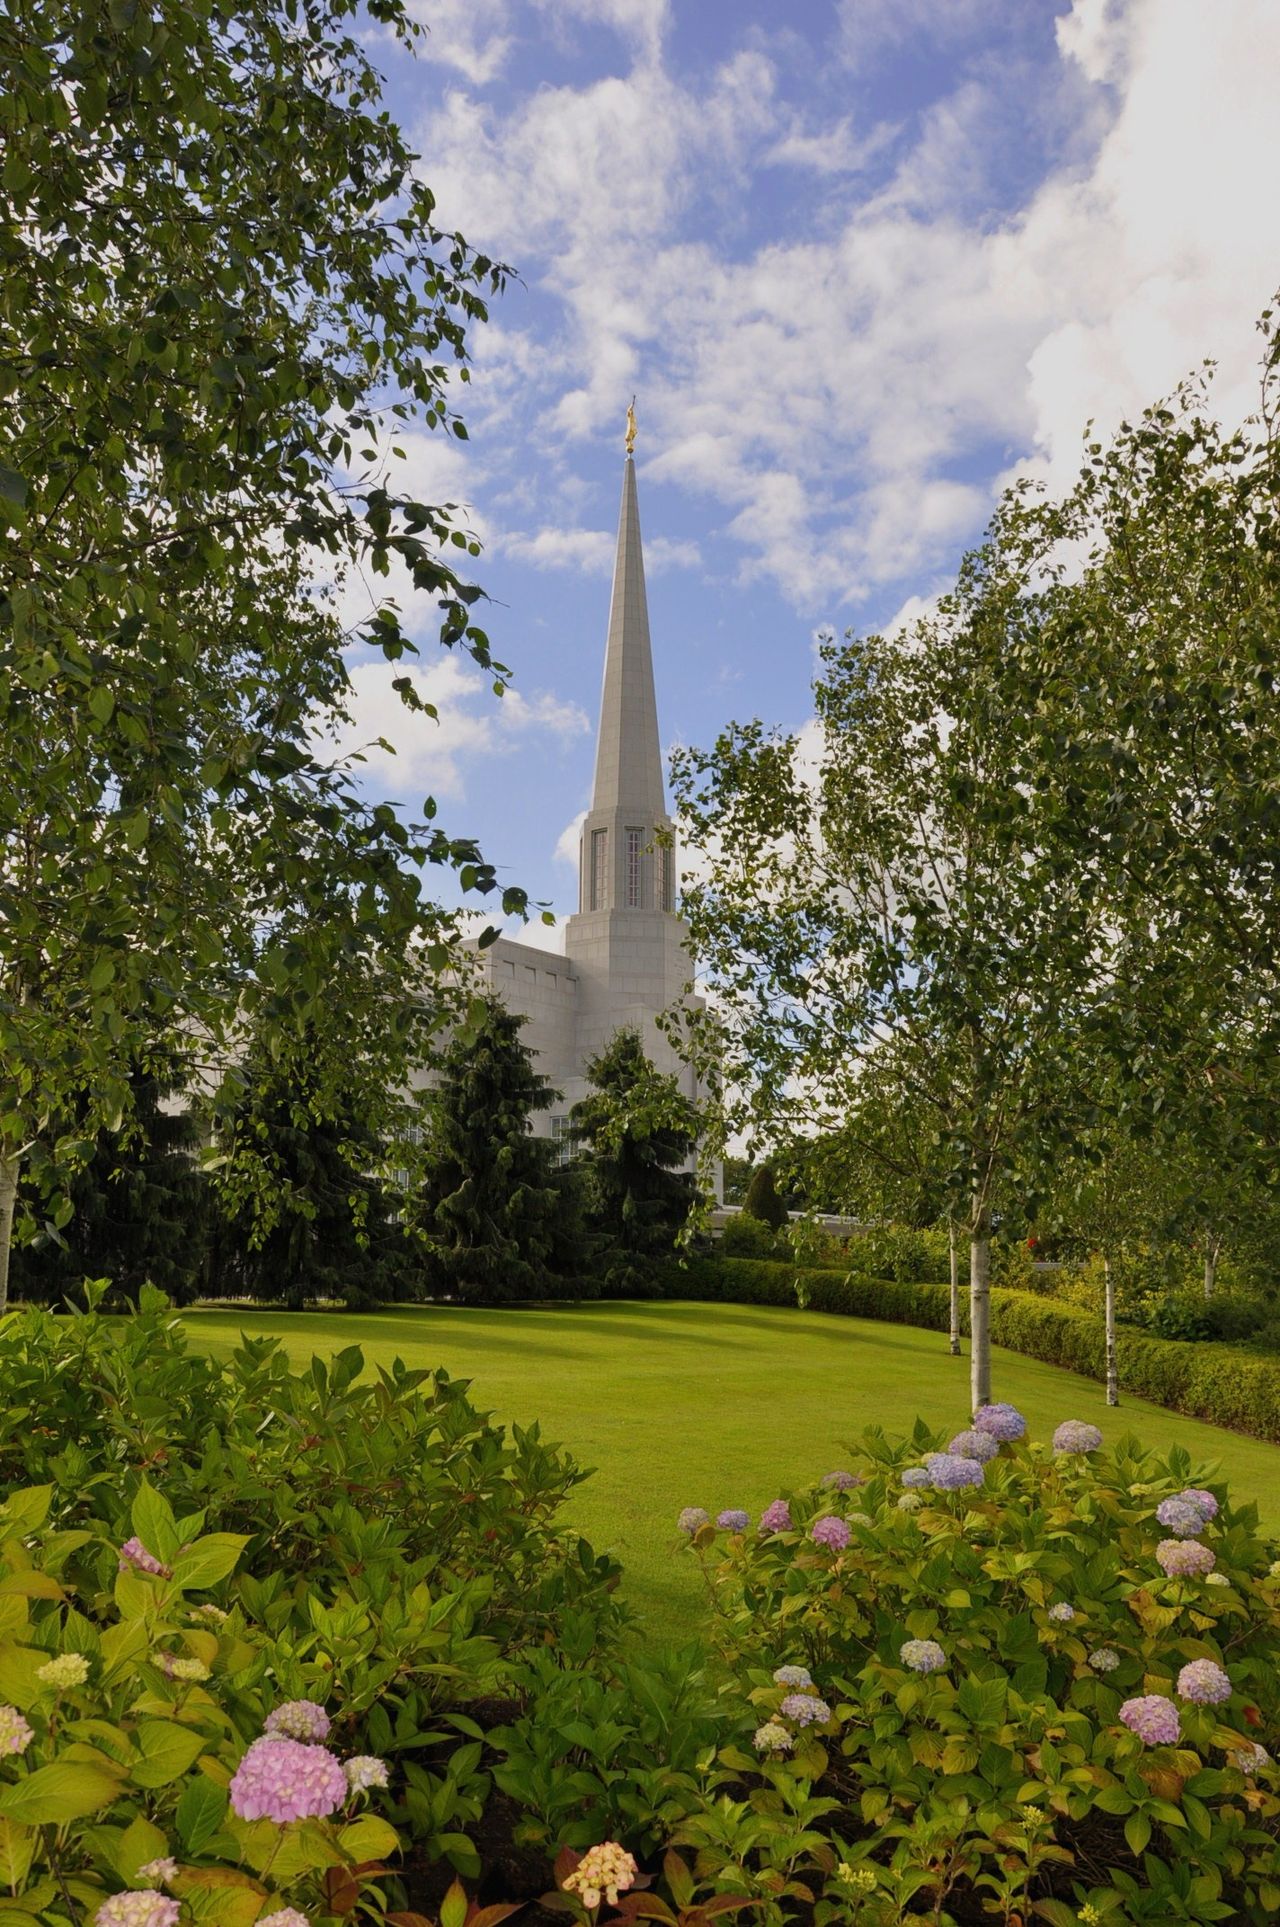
(489,1210)
(637,1129)
(139,1208)
(321,1224)
(762,1200)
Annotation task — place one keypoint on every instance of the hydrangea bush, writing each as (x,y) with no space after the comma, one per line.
(1045,1690)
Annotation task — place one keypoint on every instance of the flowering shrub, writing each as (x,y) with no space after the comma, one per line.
(141,1791)
(1038,1707)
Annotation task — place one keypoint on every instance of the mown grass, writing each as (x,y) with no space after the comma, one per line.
(717,1405)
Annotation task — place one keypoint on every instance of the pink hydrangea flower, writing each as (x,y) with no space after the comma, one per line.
(15,1734)
(841,1481)
(603,1873)
(776,1517)
(831,1532)
(135,1557)
(283,1917)
(1153,1718)
(1076,1435)
(806,1709)
(144,1907)
(1185,1558)
(284,1780)
(1204,1681)
(297,1720)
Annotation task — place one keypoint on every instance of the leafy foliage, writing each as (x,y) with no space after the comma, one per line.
(634,1131)
(762,1200)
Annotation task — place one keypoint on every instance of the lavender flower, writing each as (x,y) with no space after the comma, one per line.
(805,1709)
(297,1720)
(144,1907)
(1196,1495)
(692,1520)
(776,1517)
(1004,1423)
(1185,1558)
(365,1770)
(831,1532)
(973,1444)
(284,1780)
(1204,1681)
(732,1520)
(922,1655)
(772,1737)
(1076,1435)
(1250,1758)
(1104,1659)
(1177,1515)
(15,1735)
(283,1917)
(792,1676)
(916,1475)
(950,1474)
(842,1481)
(1062,1612)
(134,1557)
(1153,1718)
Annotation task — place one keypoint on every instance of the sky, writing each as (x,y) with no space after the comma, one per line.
(862,263)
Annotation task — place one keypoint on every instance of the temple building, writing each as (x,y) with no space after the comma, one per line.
(625,957)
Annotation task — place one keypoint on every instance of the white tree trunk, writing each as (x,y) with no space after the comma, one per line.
(953,1252)
(1113,1370)
(8,1197)
(980,1308)
(1211,1250)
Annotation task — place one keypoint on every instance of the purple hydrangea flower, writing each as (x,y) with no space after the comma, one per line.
(916,1475)
(1204,1681)
(830,1532)
(732,1520)
(792,1676)
(1062,1612)
(297,1720)
(776,1517)
(134,1557)
(692,1520)
(841,1481)
(1153,1718)
(1004,1423)
(1177,1515)
(949,1474)
(284,1780)
(1185,1558)
(144,1907)
(1196,1495)
(922,1655)
(805,1709)
(1076,1435)
(973,1444)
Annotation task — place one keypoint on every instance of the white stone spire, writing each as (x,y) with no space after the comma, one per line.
(628,774)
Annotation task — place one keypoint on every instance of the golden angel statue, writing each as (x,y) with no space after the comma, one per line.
(631,426)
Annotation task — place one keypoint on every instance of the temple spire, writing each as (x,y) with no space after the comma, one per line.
(628,776)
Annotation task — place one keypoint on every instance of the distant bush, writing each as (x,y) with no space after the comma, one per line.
(1226,1384)
(903,1253)
(745,1236)
(762,1200)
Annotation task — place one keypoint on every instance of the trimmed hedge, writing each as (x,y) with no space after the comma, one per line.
(1226,1384)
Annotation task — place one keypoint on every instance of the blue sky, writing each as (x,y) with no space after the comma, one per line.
(862,262)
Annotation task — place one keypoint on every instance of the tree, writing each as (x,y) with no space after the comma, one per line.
(221,288)
(636,1131)
(315,1221)
(488,1207)
(137,1212)
(891,905)
(762,1200)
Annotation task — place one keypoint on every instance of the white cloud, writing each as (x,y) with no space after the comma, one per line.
(436,756)
(568,840)
(835,388)
(467,35)
(588,550)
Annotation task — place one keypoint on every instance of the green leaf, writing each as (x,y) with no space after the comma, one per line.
(200,1813)
(167,1751)
(140,1842)
(208,1560)
(68,1790)
(17,1848)
(1137,1831)
(453,1908)
(368,1838)
(151,1515)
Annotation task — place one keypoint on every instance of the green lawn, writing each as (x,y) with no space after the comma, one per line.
(682,1404)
